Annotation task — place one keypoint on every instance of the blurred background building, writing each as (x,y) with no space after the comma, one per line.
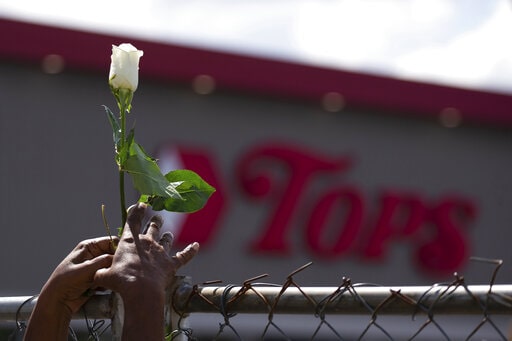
(372,138)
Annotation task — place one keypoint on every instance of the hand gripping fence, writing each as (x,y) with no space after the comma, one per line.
(490,307)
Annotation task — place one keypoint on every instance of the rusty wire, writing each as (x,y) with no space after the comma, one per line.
(369,303)
(431,304)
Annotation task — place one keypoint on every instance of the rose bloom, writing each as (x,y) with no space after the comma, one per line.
(124,68)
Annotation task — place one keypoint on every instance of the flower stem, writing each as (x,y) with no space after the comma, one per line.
(124,107)
(122,198)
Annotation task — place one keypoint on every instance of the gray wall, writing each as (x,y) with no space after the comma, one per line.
(57,169)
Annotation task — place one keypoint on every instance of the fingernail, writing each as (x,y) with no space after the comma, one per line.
(139,205)
(158,220)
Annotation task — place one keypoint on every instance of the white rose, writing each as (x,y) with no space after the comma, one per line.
(124,68)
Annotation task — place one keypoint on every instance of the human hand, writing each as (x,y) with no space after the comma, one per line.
(142,268)
(143,261)
(74,276)
(64,291)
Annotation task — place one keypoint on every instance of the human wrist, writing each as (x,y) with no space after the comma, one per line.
(51,316)
(133,287)
(50,301)
(134,301)
(143,315)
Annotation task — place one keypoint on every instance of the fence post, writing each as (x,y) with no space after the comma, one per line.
(176,324)
(117,317)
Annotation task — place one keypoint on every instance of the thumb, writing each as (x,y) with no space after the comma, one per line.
(101,278)
(92,265)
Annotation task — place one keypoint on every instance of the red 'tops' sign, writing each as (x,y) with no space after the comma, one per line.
(436,229)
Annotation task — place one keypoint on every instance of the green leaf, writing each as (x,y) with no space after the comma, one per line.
(193,190)
(146,175)
(125,151)
(116,129)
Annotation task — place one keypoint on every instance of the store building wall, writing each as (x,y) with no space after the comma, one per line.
(376,197)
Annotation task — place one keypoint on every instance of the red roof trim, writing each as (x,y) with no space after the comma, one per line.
(87,50)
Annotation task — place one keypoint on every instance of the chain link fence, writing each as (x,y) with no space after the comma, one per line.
(288,311)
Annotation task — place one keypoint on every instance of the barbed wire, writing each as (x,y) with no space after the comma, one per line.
(489,306)
(432,302)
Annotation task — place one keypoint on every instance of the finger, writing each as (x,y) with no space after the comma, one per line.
(183,257)
(100,262)
(101,278)
(166,242)
(91,248)
(102,245)
(154,227)
(134,218)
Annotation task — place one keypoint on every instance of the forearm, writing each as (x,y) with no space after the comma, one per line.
(144,316)
(49,321)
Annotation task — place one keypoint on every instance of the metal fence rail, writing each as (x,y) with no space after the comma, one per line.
(18,308)
(427,302)
(485,304)
(356,300)
(261,299)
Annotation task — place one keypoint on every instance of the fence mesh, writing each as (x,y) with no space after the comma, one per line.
(489,306)
(289,311)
